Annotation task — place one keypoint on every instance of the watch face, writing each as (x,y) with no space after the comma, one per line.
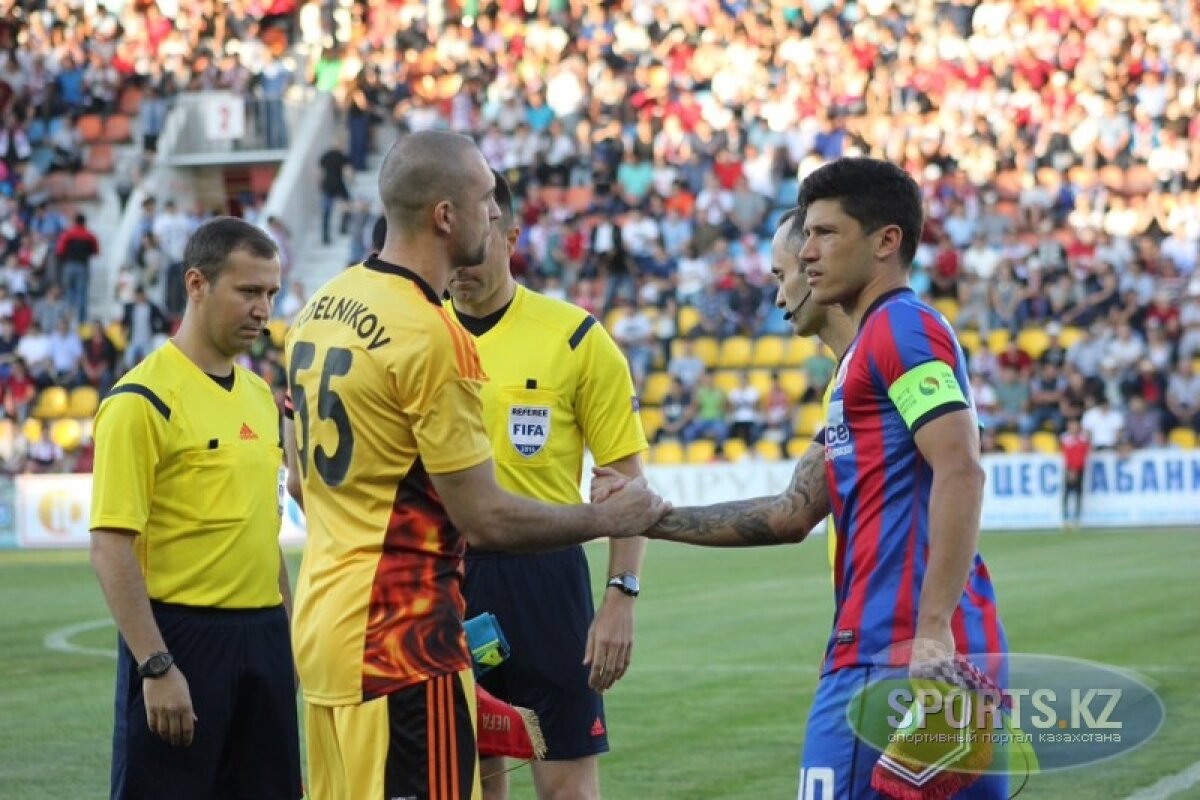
(626,583)
(156,665)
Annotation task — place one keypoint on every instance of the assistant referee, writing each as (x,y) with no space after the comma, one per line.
(185,542)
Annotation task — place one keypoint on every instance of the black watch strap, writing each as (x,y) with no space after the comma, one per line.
(157,665)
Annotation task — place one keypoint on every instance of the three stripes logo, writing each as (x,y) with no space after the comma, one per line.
(247,433)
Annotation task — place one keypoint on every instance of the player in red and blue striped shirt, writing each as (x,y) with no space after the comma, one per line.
(902,469)
(898,464)
(904,371)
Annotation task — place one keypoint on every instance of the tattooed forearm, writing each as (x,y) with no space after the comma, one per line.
(783,518)
(740,523)
(807,497)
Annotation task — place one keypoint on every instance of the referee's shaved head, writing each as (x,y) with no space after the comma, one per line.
(423,169)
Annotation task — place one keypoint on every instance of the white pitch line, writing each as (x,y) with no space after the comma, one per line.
(60,639)
(1170,785)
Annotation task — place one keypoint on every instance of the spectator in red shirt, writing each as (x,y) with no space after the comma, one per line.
(75,249)
(22,314)
(1015,358)
(19,391)
(1075,447)
(946,267)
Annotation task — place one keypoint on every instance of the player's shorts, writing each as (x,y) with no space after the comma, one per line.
(1073,480)
(837,765)
(544,604)
(238,665)
(418,742)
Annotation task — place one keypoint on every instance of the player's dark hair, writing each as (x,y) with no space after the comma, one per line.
(504,199)
(210,246)
(875,193)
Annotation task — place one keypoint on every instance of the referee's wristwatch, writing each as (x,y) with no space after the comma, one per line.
(626,583)
(157,665)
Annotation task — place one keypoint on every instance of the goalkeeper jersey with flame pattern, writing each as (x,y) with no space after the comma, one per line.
(385,388)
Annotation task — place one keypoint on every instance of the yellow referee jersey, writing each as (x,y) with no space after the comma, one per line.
(193,469)
(385,391)
(831,533)
(557,382)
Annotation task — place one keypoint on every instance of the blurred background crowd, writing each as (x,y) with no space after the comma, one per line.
(653,146)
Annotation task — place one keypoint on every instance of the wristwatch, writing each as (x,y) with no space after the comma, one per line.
(627,583)
(157,665)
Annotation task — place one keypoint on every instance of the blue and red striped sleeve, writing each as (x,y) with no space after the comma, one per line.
(915,357)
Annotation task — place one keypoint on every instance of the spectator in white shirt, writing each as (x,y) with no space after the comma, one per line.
(66,354)
(1103,424)
(34,350)
(685,366)
(634,332)
(745,414)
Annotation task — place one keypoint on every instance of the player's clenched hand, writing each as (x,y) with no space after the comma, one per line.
(169,707)
(932,647)
(633,508)
(605,481)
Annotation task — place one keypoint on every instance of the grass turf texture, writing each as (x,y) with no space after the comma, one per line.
(724,665)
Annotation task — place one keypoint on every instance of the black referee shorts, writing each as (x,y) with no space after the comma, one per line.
(544,604)
(239,669)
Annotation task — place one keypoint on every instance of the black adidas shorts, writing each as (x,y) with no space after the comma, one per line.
(544,604)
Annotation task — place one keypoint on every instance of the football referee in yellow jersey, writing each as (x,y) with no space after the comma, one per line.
(828,323)
(185,542)
(557,382)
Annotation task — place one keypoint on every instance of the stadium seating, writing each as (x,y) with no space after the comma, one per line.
(83,402)
(998,339)
(66,433)
(1009,442)
(51,403)
(1033,341)
(701,451)
(800,349)
(767,450)
(1183,437)
(734,449)
(726,380)
(760,379)
(769,351)
(706,348)
(689,318)
(735,352)
(797,445)
(969,340)
(1045,442)
(31,429)
(948,307)
(1070,336)
(278,329)
(655,388)
(116,334)
(667,452)
(794,383)
(808,419)
(651,420)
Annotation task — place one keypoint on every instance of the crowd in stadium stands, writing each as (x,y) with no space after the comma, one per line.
(654,145)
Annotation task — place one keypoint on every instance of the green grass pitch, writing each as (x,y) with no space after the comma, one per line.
(724,663)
